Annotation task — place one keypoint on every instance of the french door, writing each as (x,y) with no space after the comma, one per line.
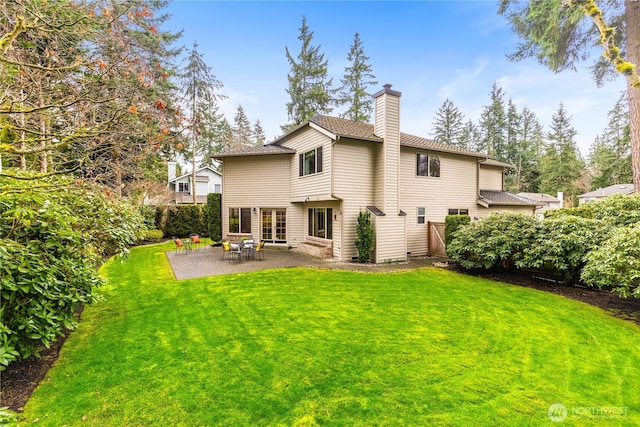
(273,225)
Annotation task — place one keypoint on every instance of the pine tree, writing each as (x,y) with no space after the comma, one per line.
(309,87)
(555,34)
(242,131)
(493,124)
(358,76)
(200,97)
(609,156)
(524,143)
(448,126)
(561,166)
(471,137)
(259,136)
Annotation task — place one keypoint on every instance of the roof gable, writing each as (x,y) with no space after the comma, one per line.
(198,171)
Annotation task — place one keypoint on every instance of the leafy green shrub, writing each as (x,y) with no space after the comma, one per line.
(364,237)
(148,216)
(615,263)
(616,210)
(183,220)
(213,216)
(47,266)
(496,240)
(53,236)
(153,235)
(561,243)
(451,224)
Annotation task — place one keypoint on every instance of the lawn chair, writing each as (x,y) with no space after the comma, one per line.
(196,242)
(235,251)
(226,250)
(259,251)
(179,245)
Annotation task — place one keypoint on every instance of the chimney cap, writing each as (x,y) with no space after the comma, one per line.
(387,90)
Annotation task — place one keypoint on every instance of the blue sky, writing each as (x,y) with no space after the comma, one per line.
(428,50)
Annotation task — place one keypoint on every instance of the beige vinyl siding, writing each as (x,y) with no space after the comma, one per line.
(455,188)
(387,162)
(256,181)
(390,242)
(491,178)
(353,167)
(316,186)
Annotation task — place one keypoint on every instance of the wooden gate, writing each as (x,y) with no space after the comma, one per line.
(435,236)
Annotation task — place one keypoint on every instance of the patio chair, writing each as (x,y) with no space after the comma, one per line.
(226,250)
(235,251)
(179,245)
(196,242)
(259,251)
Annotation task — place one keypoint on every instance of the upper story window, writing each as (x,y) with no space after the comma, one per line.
(428,165)
(310,162)
(183,187)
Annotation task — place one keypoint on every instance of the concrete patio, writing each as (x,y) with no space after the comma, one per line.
(207,261)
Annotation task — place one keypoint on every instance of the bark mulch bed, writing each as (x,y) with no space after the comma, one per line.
(21,378)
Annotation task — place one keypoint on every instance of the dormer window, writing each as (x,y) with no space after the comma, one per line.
(428,165)
(310,162)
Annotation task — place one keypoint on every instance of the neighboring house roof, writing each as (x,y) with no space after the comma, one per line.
(343,128)
(541,198)
(608,191)
(501,198)
(255,151)
(197,170)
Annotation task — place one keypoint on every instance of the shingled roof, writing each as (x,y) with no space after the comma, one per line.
(344,128)
(364,131)
(255,151)
(502,198)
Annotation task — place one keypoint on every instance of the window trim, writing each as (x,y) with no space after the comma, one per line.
(421,216)
(182,185)
(317,161)
(328,223)
(427,168)
(241,212)
(459,211)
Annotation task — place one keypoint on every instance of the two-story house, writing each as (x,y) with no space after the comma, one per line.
(306,188)
(181,188)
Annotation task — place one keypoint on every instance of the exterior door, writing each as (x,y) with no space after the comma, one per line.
(273,225)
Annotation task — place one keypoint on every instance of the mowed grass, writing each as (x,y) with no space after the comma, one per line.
(314,347)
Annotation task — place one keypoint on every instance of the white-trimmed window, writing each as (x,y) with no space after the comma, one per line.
(239,220)
(321,223)
(458,211)
(421,216)
(310,162)
(183,187)
(427,165)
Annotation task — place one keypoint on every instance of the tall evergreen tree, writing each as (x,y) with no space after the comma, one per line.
(258,134)
(358,76)
(493,124)
(555,34)
(471,137)
(200,98)
(242,131)
(609,156)
(561,166)
(448,126)
(524,145)
(310,88)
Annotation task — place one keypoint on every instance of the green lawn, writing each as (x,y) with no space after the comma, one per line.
(306,347)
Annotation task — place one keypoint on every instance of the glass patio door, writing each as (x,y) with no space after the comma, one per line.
(274,225)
